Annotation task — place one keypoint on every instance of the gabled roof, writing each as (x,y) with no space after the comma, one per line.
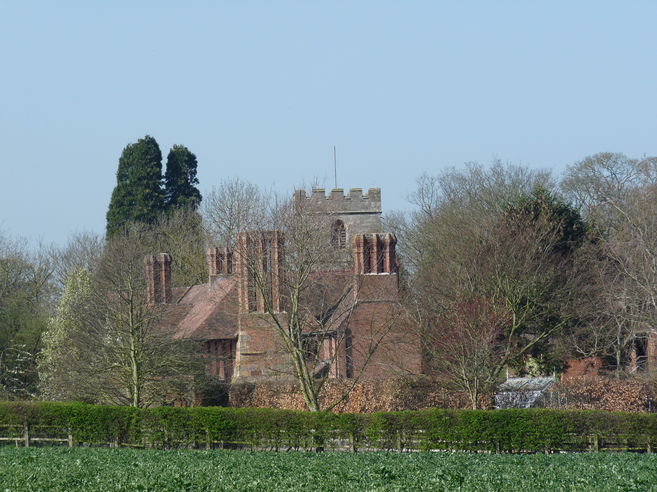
(204,312)
(210,312)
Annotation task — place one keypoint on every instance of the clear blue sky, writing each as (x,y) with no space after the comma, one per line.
(264,89)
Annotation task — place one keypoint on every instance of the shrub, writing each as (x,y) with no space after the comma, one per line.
(509,430)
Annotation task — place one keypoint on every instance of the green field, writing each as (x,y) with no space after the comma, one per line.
(124,469)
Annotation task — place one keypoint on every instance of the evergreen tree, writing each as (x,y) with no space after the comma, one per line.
(138,195)
(180,179)
(568,230)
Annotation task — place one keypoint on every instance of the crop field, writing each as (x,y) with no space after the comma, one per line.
(124,469)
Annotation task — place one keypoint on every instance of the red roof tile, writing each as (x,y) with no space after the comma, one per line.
(211,311)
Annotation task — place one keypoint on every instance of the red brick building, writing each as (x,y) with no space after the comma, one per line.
(353,323)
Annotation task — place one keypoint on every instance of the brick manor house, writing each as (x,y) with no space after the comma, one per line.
(358,300)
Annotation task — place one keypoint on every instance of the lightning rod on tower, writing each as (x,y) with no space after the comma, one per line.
(335,167)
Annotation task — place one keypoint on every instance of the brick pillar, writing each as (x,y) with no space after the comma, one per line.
(373,240)
(651,351)
(242,270)
(256,263)
(152,278)
(276,255)
(158,279)
(213,267)
(259,257)
(374,253)
(164,261)
(389,260)
(358,247)
(220,262)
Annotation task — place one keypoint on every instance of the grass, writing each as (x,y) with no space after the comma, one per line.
(125,469)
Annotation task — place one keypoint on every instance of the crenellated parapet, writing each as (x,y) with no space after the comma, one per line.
(337,202)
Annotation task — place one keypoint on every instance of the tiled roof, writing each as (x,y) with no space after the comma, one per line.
(205,312)
(210,312)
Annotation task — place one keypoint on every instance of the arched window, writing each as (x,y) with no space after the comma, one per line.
(339,235)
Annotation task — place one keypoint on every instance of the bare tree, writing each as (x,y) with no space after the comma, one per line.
(233,206)
(497,239)
(181,234)
(26,295)
(633,250)
(467,348)
(118,350)
(603,185)
(608,322)
(82,252)
(619,194)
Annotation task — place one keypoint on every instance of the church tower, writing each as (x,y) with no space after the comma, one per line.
(350,215)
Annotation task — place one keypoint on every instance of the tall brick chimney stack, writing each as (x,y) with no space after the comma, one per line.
(375,267)
(220,262)
(374,253)
(158,278)
(259,267)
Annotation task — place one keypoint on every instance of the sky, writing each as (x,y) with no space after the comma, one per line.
(263,90)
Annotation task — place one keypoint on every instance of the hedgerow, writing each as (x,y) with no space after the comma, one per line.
(510,430)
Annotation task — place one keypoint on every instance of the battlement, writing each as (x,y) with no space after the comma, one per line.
(337,202)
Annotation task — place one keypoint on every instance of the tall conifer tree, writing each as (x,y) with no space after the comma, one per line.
(180,179)
(138,195)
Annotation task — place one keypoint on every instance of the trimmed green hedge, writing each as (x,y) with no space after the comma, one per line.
(512,430)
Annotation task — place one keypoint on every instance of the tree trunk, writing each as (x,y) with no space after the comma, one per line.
(474,399)
(136,396)
(134,375)
(306,383)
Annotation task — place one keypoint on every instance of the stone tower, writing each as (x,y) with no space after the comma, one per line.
(352,214)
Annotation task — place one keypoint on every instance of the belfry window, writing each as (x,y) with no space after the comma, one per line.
(339,235)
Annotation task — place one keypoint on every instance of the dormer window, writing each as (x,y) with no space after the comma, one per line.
(339,235)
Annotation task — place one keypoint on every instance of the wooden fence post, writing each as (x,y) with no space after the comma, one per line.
(26,435)
(70,438)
